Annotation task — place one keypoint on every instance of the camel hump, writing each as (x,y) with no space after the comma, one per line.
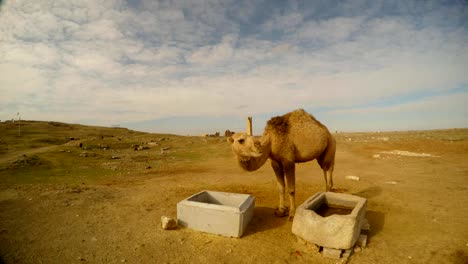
(300,119)
(279,124)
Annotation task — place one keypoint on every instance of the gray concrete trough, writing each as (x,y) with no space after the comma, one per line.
(220,213)
(330,220)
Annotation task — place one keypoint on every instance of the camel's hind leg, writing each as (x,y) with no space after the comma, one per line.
(279,172)
(327,163)
(328,176)
(291,183)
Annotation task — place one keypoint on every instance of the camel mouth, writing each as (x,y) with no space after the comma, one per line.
(250,162)
(254,154)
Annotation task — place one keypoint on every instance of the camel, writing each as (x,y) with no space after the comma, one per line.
(288,139)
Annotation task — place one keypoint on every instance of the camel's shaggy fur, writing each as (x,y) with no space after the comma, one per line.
(288,139)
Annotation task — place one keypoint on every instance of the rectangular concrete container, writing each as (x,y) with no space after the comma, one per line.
(220,213)
(334,231)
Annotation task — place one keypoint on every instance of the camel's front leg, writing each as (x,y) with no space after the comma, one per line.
(279,172)
(290,170)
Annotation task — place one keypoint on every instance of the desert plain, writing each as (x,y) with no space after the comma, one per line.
(81,194)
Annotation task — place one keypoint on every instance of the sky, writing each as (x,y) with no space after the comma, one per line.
(202,66)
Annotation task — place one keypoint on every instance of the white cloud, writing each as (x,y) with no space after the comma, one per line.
(90,60)
(329,31)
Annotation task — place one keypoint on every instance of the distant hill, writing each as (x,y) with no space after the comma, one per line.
(35,134)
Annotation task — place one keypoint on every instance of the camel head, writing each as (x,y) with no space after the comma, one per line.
(251,153)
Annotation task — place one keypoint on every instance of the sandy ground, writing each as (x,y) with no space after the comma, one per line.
(417,209)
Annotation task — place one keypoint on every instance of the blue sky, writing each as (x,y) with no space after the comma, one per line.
(194,67)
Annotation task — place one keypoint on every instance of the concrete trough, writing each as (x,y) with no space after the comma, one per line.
(330,220)
(221,213)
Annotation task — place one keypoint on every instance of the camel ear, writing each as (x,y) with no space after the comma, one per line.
(230,140)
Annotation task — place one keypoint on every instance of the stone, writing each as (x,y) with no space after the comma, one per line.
(365,225)
(168,223)
(376,156)
(331,253)
(357,249)
(362,241)
(347,253)
(333,231)
(352,177)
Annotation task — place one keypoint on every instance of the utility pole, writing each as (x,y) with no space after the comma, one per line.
(19,124)
(249,126)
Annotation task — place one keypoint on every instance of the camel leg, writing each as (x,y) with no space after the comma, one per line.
(278,168)
(328,176)
(327,168)
(325,178)
(291,183)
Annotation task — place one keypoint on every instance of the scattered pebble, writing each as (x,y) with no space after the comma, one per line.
(391,182)
(407,153)
(376,156)
(357,249)
(168,223)
(351,177)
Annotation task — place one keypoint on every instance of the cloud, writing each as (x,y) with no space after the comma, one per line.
(328,31)
(119,61)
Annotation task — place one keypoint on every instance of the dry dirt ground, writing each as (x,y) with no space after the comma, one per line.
(417,209)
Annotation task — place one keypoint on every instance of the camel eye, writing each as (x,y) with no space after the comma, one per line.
(241,141)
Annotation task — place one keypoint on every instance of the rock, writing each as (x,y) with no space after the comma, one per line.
(168,223)
(115,157)
(84,154)
(347,253)
(142,148)
(376,156)
(148,167)
(357,249)
(331,253)
(352,177)
(163,150)
(391,182)
(362,241)
(365,225)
